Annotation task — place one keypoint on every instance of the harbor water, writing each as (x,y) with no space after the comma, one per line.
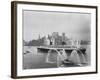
(34,59)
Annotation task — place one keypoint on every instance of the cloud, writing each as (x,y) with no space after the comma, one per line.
(37,22)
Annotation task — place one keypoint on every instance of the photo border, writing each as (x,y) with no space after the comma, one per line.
(14,37)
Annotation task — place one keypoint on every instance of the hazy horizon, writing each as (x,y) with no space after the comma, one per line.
(75,25)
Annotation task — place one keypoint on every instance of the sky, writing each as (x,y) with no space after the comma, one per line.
(75,25)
